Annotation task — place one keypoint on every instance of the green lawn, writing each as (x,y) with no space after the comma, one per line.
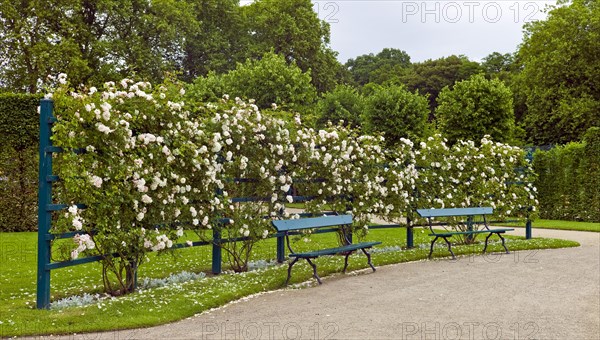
(18,315)
(558,224)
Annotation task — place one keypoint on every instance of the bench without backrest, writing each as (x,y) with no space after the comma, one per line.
(342,221)
(469,213)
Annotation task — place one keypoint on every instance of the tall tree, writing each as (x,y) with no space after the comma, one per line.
(219,41)
(379,68)
(431,76)
(560,57)
(91,41)
(293,29)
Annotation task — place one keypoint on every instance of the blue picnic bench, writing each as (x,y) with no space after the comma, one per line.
(343,222)
(470,213)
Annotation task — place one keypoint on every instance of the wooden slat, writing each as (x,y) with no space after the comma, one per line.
(483,231)
(455,212)
(312,222)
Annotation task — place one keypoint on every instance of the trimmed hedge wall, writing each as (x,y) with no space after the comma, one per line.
(18,161)
(569,180)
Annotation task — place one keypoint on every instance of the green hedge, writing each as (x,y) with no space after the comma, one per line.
(569,180)
(18,161)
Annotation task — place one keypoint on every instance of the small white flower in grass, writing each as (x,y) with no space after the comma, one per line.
(289,198)
(147,244)
(189,243)
(285,187)
(146,199)
(195,221)
(140,216)
(73,209)
(205,221)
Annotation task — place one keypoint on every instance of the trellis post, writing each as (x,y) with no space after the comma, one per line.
(44,199)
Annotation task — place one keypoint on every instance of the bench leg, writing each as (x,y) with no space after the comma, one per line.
(486,242)
(346,262)
(431,248)
(314,271)
(503,244)
(368,258)
(290,270)
(450,248)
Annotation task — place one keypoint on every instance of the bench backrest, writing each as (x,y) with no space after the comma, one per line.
(312,222)
(455,212)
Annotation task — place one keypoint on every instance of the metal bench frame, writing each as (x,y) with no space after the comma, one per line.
(288,226)
(469,213)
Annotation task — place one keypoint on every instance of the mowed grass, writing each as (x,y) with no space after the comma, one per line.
(558,224)
(149,307)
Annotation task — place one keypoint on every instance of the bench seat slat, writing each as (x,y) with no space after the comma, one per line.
(312,222)
(450,233)
(333,251)
(455,212)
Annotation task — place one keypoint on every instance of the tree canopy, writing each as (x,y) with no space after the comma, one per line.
(431,76)
(560,58)
(379,68)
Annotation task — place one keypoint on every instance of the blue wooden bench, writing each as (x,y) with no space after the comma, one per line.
(470,213)
(341,221)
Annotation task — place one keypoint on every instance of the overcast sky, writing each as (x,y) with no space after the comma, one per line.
(428,29)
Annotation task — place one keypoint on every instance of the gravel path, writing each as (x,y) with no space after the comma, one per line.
(545,294)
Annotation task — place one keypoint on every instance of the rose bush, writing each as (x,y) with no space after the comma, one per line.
(153,172)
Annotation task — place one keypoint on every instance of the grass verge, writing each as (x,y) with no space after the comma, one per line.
(558,224)
(149,307)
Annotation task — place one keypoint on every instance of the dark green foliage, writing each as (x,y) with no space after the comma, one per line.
(91,41)
(385,66)
(497,62)
(292,28)
(218,42)
(397,113)
(18,161)
(343,103)
(474,108)
(18,120)
(569,180)
(560,58)
(18,189)
(431,76)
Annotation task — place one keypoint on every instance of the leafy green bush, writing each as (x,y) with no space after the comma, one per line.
(18,161)
(397,113)
(474,108)
(269,80)
(343,103)
(569,180)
